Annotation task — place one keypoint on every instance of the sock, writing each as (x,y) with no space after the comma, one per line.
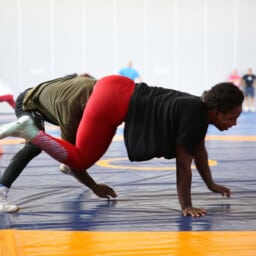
(4,190)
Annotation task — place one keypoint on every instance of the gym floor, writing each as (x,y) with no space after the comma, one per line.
(59,216)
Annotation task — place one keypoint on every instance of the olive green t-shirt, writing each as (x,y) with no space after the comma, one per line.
(61,100)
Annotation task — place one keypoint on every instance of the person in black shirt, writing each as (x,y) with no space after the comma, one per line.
(159,122)
(249,91)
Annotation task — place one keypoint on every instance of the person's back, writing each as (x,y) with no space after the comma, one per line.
(62,101)
(171,114)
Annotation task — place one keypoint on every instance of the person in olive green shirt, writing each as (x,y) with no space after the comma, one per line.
(61,102)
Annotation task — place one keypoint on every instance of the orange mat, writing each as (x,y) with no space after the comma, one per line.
(76,243)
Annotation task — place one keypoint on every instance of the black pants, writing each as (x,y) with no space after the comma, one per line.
(28,152)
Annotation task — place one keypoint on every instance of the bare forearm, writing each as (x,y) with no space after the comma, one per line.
(101,190)
(85,178)
(184,179)
(184,188)
(205,173)
(202,165)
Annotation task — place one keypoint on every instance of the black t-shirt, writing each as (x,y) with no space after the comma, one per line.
(158,119)
(249,79)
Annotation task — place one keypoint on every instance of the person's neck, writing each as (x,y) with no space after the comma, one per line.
(211,116)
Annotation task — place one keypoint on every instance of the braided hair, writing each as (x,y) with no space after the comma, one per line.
(223,96)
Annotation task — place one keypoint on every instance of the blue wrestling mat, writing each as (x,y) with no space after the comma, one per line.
(59,216)
(147,197)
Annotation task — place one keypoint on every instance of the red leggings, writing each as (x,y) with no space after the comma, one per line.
(105,110)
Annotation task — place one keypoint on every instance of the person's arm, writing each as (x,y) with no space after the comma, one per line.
(101,190)
(68,132)
(184,179)
(202,165)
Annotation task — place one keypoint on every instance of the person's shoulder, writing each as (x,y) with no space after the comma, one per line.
(189,102)
(190,98)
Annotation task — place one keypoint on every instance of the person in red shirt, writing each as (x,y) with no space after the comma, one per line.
(235,78)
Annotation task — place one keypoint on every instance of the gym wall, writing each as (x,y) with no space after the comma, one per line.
(183,44)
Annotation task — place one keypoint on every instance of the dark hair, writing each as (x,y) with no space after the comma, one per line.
(87,75)
(223,96)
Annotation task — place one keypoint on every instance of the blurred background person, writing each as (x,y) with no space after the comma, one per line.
(130,72)
(5,94)
(235,78)
(248,82)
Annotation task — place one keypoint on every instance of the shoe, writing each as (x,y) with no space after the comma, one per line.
(4,205)
(24,128)
(246,109)
(65,169)
(252,109)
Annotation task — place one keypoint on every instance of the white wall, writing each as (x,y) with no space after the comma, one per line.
(183,44)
